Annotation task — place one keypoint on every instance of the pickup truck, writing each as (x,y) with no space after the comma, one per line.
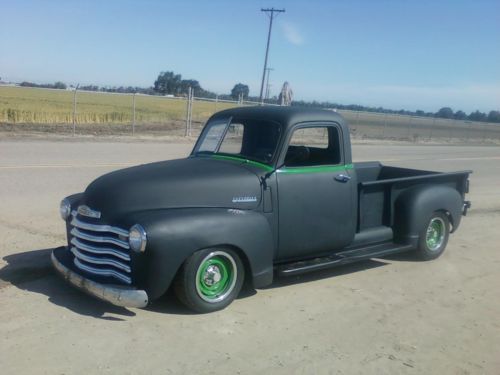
(266,191)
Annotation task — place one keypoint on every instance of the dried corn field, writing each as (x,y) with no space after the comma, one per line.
(25,109)
(20,105)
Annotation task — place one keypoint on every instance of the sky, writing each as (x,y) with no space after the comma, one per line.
(396,54)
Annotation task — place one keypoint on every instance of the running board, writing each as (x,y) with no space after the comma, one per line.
(344,257)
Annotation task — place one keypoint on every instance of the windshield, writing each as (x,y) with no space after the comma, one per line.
(249,139)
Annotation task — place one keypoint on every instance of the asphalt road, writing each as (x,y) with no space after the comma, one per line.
(394,316)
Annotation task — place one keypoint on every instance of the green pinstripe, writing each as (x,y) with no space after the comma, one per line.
(315,169)
(287,170)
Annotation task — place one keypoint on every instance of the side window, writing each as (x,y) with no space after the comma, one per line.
(233,140)
(319,145)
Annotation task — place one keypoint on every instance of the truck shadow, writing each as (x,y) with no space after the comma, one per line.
(32,271)
(169,304)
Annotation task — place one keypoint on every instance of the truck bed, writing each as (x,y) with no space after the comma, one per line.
(380,185)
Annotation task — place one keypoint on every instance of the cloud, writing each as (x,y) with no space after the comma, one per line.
(292,34)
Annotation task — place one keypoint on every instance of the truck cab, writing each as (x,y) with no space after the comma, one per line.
(266,191)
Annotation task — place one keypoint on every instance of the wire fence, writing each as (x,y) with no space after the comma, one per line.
(98,113)
(370,125)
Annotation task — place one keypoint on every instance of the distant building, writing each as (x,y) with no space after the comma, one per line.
(286,95)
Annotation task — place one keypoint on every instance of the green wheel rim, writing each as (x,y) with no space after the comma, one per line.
(216,276)
(435,234)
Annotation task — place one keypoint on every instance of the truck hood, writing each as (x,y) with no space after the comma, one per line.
(191,182)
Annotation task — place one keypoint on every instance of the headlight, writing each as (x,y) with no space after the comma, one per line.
(137,238)
(65,209)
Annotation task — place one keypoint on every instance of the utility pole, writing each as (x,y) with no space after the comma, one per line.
(267,82)
(271,13)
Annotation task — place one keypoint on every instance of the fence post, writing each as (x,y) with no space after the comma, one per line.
(188,105)
(385,126)
(432,127)
(216,101)
(409,127)
(133,114)
(74,109)
(191,93)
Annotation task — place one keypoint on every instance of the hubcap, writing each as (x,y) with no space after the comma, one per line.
(212,275)
(435,234)
(216,276)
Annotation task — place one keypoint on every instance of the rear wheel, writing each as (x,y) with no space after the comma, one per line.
(210,280)
(434,236)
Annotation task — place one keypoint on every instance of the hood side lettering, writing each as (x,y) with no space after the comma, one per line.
(244,199)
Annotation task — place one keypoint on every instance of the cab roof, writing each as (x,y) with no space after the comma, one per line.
(287,116)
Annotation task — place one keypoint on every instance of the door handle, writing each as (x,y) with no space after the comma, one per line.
(342,178)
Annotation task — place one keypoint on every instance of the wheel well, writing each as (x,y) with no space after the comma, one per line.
(244,259)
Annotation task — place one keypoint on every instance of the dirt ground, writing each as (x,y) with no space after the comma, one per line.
(383,316)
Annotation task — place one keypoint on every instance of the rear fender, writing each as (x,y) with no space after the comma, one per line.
(414,206)
(173,235)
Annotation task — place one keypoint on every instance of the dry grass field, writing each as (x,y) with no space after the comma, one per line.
(20,105)
(50,111)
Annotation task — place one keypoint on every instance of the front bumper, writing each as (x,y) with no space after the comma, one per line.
(117,295)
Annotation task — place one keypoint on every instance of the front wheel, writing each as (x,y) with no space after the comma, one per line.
(434,236)
(210,280)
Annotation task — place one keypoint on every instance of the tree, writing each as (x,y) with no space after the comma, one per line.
(240,89)
(460,115)
(445,112)
(477,116)
(168,83)
(89,88)
(187,83)
(494,116)
(60,85)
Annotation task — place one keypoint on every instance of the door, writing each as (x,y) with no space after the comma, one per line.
(315,194)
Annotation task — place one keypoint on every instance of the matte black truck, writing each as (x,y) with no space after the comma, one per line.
(265,191)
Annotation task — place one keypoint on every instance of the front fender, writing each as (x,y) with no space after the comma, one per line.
(173,235)
(414,206)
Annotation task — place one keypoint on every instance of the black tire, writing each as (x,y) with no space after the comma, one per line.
(432,241)
(204,273)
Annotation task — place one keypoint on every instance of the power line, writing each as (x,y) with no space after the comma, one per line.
(271,13)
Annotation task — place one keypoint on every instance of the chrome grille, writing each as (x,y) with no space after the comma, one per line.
(99,249)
